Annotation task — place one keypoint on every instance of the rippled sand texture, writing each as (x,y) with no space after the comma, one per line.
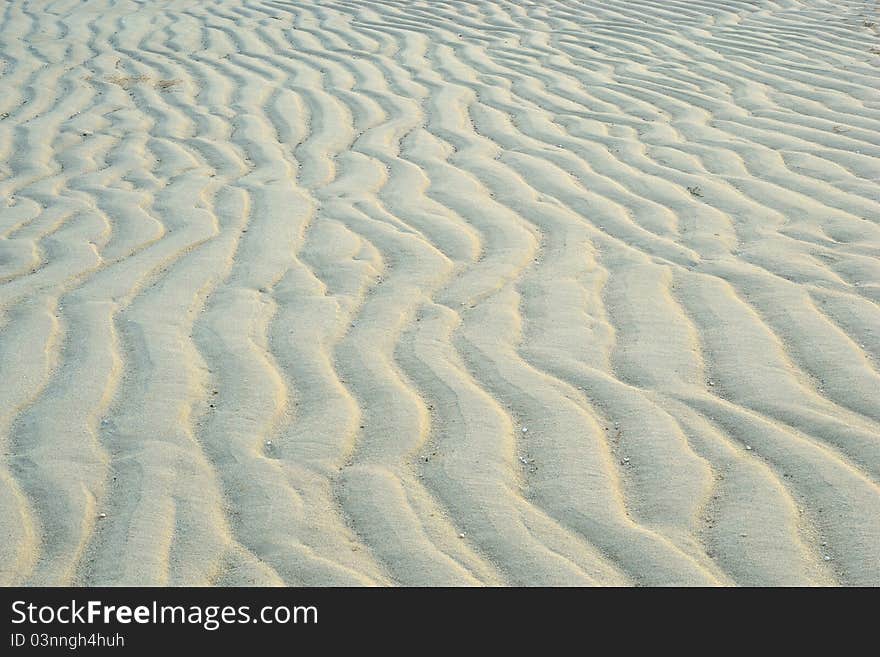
(422,293)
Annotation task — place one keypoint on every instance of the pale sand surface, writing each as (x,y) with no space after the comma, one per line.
(421,293)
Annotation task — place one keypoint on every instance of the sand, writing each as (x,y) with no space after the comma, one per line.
(379,292)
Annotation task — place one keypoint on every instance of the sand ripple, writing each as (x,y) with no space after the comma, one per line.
(422,293)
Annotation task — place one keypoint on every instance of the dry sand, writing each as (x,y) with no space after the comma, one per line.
(420,293)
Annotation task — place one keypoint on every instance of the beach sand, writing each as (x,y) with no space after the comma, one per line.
(439,293)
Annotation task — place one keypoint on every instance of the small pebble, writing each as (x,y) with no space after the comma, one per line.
(461,535)
(101,516)
(525,429)
(827,558)
(748,448)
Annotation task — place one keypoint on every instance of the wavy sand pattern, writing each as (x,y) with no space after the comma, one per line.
(481,292)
